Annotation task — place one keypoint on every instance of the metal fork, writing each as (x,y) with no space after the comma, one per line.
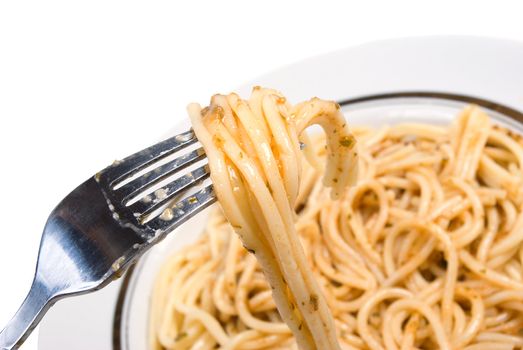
(109,221)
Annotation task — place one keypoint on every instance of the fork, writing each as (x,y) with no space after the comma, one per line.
(109,221)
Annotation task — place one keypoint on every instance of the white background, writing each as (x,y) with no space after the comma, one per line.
(84,83)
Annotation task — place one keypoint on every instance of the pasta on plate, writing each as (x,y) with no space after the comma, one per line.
(424,251)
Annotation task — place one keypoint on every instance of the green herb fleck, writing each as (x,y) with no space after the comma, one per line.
(313,301)
(180,336)
(347,141)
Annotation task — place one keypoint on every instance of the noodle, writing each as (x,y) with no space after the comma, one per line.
(424,252)
(254,147)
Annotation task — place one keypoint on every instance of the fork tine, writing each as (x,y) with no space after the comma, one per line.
(152,202)
(158,174)
(138,161)
(183,211)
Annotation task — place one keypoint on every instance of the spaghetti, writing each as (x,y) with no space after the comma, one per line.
(424,252)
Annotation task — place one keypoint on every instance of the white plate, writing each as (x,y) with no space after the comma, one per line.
(484,68)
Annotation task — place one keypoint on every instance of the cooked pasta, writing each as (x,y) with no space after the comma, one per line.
(424,252)
(253,153)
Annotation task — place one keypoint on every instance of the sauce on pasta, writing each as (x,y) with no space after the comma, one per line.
(423,252)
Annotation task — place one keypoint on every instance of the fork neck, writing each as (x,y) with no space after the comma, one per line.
(33,308)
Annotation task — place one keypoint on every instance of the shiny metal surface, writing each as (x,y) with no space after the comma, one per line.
(97,231)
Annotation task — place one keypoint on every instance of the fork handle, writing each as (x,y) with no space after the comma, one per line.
(33,308)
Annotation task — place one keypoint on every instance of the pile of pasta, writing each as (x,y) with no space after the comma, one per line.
(424,252)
